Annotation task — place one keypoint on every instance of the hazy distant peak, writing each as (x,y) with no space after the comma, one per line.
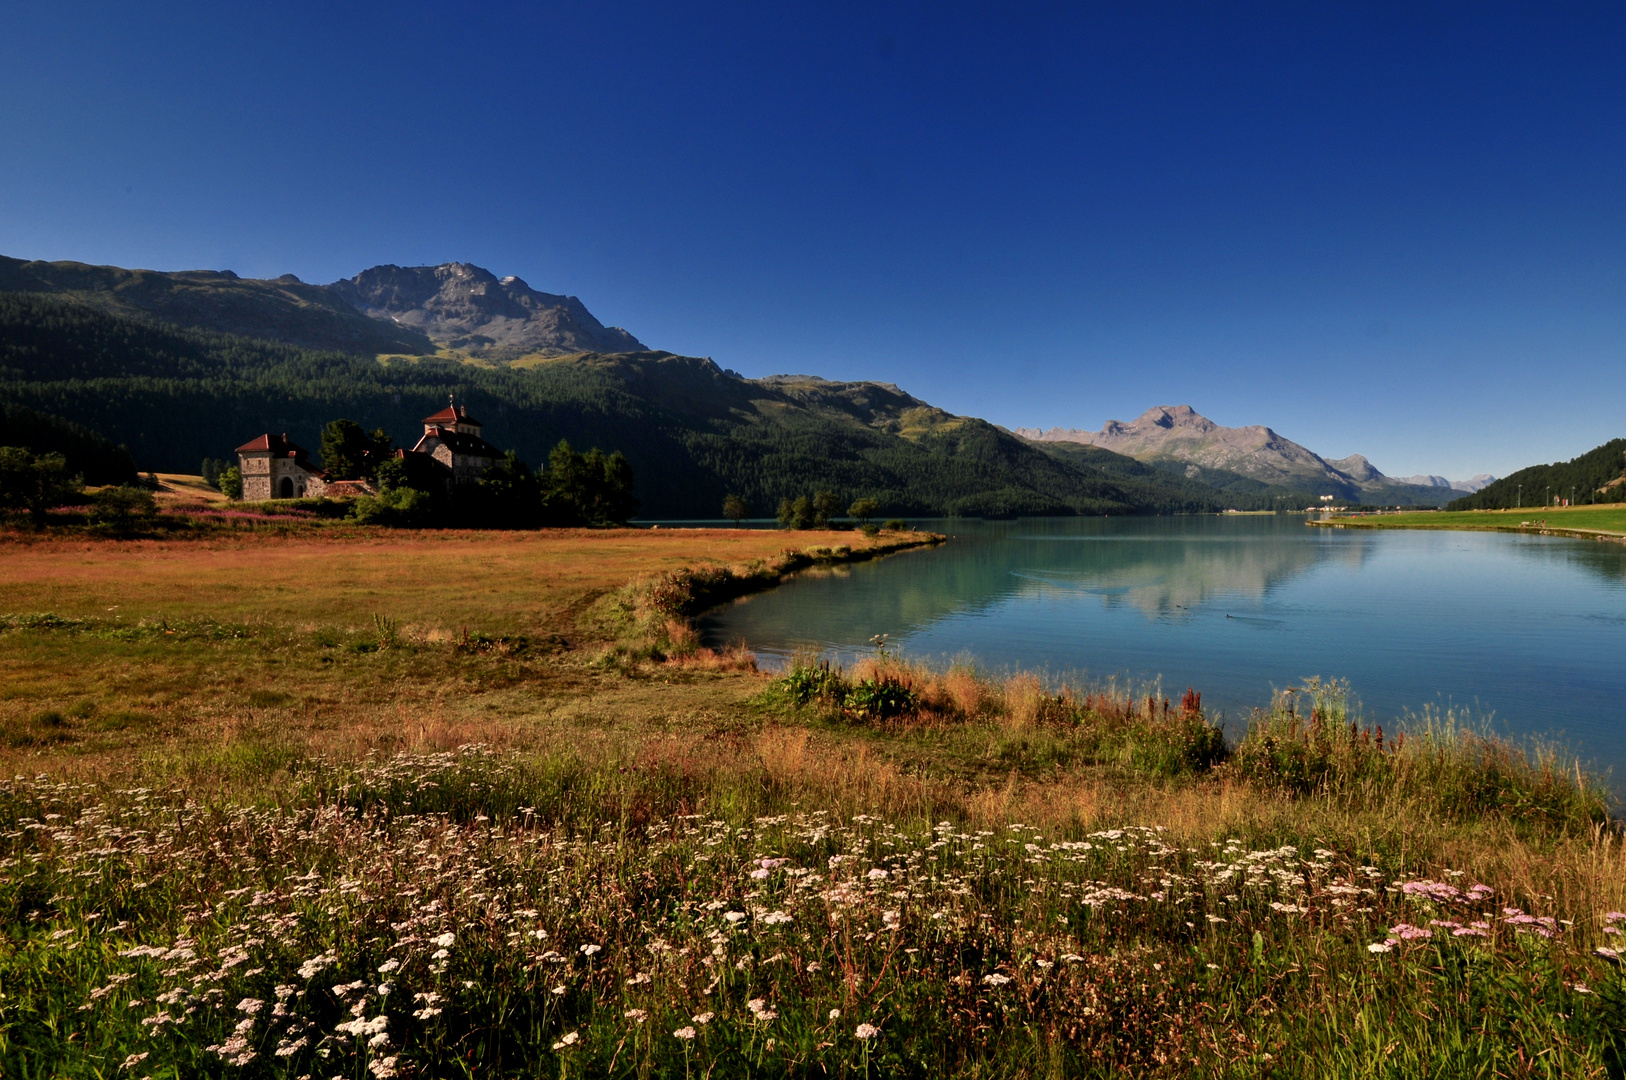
(1469,486)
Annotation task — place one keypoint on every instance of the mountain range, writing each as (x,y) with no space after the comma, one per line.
(183,366)
(1178,438)
(387,310)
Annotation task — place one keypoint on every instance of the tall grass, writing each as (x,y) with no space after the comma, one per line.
(473,913)
(1020,713)
(1307,742)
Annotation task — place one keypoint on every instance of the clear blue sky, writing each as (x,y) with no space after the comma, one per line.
(1397,229)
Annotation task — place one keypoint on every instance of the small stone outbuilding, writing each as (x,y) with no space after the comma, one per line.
(275,467)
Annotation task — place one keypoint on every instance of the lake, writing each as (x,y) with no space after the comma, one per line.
(1529,631)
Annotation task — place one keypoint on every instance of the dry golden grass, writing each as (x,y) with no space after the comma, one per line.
(181,491)
(436,581)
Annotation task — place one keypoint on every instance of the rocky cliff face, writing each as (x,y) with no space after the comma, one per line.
(465,307)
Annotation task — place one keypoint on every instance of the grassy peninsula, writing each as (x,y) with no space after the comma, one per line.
(360,803)
(1599,522)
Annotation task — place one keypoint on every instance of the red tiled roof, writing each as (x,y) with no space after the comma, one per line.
(452,414)
(276,444)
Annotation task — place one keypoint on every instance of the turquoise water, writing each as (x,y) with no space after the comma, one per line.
(1528,631)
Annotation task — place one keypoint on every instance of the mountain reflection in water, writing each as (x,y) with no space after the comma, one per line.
(1530,628)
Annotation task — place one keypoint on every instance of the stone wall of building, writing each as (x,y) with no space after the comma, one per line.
(256,470)
(263,475)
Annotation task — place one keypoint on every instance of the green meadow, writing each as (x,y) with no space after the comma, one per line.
(1607,520)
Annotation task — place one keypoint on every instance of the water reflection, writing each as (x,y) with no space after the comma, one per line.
(1165,568)
(1529,628)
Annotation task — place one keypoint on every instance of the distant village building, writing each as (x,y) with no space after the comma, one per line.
(450,450)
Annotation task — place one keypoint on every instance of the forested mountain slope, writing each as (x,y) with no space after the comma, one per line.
(1173,488)
(692,431)
(1597,476)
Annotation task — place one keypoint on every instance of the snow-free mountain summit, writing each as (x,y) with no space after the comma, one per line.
(1179,436)
(464,307)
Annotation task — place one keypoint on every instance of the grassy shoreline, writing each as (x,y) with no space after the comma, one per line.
(1604,523)
(450,806)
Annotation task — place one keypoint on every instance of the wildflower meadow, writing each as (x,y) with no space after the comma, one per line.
(467,913)
(557,838)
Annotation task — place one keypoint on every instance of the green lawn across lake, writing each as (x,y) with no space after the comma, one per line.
(1608,520)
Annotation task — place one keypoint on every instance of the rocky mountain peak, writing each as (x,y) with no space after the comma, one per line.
(467,307)
(1178,435)
(1357,468)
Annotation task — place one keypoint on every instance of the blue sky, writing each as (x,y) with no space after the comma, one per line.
(1397,230)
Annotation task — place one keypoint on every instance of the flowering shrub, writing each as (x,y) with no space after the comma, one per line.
(807,683)
(452,914)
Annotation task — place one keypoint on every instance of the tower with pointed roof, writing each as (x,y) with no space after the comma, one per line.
(452,437)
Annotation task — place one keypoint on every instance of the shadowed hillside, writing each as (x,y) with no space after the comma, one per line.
(285,309)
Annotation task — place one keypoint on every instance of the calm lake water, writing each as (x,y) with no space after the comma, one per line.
(1528,631)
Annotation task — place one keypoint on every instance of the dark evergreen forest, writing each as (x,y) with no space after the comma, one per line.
(1594,477)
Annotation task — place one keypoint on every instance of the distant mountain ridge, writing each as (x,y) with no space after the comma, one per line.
(1470,485)
(1178,435)
(465,307)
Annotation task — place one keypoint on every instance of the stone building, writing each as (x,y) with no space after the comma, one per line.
(452,437)
(274,467)
(451,451)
